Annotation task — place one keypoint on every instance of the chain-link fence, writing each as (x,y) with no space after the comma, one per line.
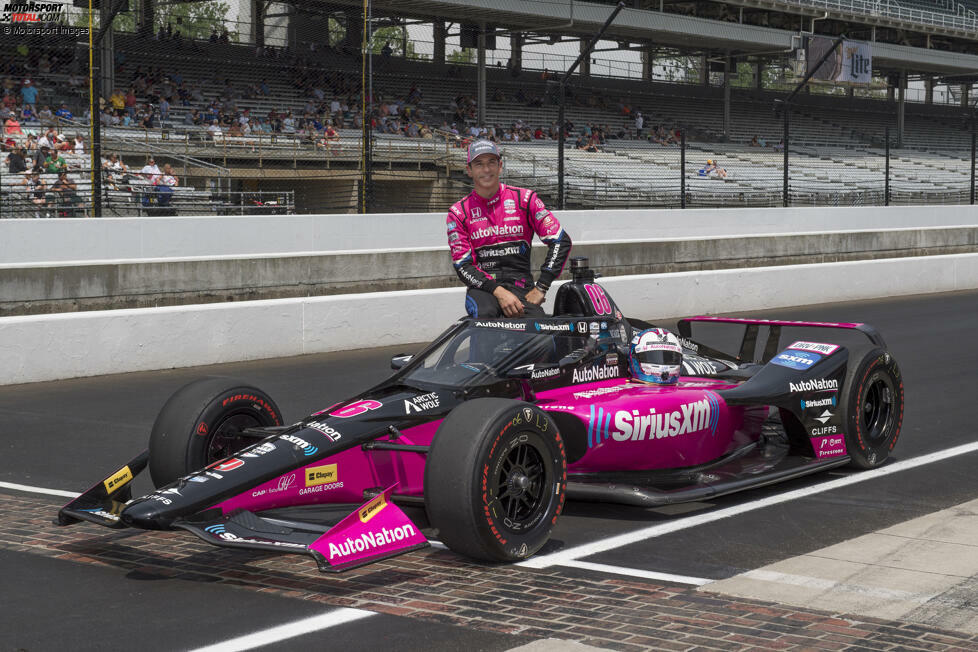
(238,106)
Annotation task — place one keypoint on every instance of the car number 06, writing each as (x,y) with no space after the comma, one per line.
(598,299)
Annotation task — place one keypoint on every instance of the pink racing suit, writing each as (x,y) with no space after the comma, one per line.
(490,240)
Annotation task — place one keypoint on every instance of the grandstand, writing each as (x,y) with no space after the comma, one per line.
(278,144)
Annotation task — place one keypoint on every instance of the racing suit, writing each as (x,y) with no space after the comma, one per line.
(490,243)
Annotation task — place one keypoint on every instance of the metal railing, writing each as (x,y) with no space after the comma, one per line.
(967,22)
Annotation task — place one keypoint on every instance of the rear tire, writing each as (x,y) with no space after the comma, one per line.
(873,409)
(201,424)
(495,479)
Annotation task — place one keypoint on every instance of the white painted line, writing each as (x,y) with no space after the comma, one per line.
(289,630)
(636,572)
(39,490)
(603,545)
(830,585)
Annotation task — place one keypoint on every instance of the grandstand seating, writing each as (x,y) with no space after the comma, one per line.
(836,153)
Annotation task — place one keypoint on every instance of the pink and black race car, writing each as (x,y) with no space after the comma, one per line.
(481,437)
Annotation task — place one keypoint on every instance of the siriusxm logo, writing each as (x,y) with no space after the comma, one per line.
(307,448)
(820,402)
(798,360)
(816,384)
(503,251)
(553,328)
(690,418)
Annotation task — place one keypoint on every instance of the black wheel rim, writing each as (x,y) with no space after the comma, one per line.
(876,409)
(521,485)
(226,438)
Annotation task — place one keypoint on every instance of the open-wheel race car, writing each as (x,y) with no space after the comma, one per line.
(481,437)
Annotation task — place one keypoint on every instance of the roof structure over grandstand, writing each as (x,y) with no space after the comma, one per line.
(924,41)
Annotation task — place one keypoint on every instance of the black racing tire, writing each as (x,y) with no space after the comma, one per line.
(495,479)
(201,424)
(873,408)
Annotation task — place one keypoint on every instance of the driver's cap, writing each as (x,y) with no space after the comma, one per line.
(480,147)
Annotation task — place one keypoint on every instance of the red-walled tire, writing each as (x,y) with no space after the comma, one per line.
(495,479)
(873,409)
(201,424)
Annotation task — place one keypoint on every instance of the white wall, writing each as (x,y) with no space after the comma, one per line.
(67,345)
(33,241)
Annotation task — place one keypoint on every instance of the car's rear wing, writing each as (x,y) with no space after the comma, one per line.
(749,342)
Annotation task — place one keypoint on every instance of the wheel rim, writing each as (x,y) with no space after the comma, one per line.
(876,409)
(226,438)
(521,485)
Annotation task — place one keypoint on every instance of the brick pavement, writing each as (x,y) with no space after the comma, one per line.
(604,611)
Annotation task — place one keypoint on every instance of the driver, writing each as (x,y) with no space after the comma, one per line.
(655,356)
(489,234)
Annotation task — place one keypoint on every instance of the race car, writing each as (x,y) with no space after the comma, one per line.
(480,438)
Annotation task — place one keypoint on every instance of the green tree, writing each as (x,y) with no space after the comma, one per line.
(193,20)
(465,55)
(393,35)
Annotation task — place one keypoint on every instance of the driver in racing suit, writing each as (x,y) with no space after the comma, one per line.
(489,234)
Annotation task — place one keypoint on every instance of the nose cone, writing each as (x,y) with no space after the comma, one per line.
(147,514)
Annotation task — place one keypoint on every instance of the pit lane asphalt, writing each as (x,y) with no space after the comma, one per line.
(68,434)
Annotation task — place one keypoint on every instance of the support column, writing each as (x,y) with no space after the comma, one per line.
(258,23)
(901,107)
(482,74)
(146,15)
(354,32)
(585,70)
(704,71)
(964,95)
(648,63)
(440,34)
(929,89)
(727,65)
(758,75)
(106,55)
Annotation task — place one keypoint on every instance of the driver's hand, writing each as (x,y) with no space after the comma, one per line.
(508,302)
(535,297)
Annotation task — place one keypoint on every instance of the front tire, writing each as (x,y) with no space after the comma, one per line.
(495,479)
(202,423)
(873,409)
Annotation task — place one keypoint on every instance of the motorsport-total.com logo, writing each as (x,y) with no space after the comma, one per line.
(32,13)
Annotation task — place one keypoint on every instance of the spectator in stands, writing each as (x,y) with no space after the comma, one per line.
(639,123)
(118,100)
(79,145)
(288,123)
(164,110)
(164,184)
(780,146)
(214,130)
(754,142)
(55,162)
(64,114)
(235,131)
(17,161)
(46,116)
(213,37)
(28,93)
(64,195)
(149,170)
(675,138)
(75,80)
(330,136)
(713,169)
(11,126)
(37,190)
(48,140)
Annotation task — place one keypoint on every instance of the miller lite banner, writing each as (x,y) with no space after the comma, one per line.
(851,62)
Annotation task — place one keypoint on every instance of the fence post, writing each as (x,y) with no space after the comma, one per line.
(787,131)
(682,166)
(972,164)
(886,185)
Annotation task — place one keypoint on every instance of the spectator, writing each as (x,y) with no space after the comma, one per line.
(713,169)
(214,130)
(28,115)
(386,51)
(63,113)
(79,145)
(46,117)
(754,142)
(48,140)
(28,93)
(780,146)
(164,110)
(263,88)
(65,195)
(55,163)
(37,190)
(117,100)
(149,170)
(17,161)
(761,142)
(11,126)
(164,184)
(39,158)
(213,37)
(639,123)
(131,102)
